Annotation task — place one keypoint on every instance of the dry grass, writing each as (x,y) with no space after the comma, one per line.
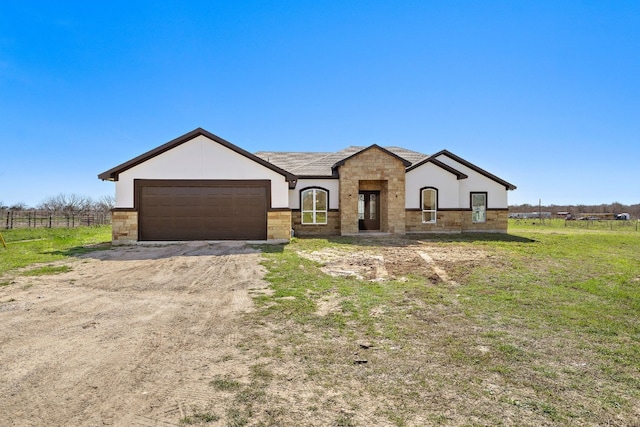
(527,330)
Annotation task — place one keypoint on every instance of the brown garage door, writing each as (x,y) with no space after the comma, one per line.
(202,210)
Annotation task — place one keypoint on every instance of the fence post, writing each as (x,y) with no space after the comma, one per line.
(8,214)
(49,219)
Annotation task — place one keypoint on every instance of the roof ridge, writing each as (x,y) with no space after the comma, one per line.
(318,163)
(326,156)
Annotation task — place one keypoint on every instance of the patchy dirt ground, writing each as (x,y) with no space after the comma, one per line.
(136,336)
(157,336)
(395,261)
(168,336)
(129,336)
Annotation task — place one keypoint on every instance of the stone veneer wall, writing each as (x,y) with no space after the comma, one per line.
(124,226)
(373,165)
(331,228)
(279,225)
(458,221)
(446,222)
(497,221)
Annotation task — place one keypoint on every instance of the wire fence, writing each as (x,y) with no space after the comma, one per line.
(587,224)
(52,219)
(604,224)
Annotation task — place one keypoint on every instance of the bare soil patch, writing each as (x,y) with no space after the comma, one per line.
(129,336)
(150,336)
(170,335)
(394,262)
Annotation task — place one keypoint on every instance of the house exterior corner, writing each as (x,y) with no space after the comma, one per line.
(202,187)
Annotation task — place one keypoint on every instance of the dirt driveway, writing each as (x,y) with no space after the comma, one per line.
(125,337)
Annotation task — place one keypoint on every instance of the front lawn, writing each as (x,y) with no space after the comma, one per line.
(533,328)
(26,246)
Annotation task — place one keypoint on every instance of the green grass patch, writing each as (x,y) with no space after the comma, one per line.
(543,325)
(199,418)
(42,245)
(47,269)
(225,384)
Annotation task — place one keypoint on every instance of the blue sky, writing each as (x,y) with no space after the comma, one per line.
(544,94)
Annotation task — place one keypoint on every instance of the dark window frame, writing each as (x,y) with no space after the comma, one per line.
(314,211)
(435,211)
(486,205)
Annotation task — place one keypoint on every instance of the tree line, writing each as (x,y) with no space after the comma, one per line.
(576,210)
(67,203)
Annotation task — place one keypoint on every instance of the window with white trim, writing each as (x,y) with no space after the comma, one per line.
(479,207)
(314,206)
(429,197)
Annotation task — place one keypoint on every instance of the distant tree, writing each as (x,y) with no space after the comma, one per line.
(67,203)
(104,203)
(617,207)
(20,206)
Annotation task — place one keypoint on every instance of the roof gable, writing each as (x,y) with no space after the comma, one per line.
(405,162)
(112,174)
(475,168)
(459,175)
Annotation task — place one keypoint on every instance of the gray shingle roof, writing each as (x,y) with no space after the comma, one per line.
(320,164)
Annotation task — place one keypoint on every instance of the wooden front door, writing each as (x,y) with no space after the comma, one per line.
(369,210)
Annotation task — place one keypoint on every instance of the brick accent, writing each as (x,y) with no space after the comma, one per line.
(279,225)
(332,228)
(446,222)
(497,222)
(458,221)
(373,169)
(124,226)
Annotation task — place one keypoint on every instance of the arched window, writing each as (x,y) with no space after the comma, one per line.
(429,202)
(314,203)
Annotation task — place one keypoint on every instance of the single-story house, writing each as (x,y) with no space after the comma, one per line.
(201,187)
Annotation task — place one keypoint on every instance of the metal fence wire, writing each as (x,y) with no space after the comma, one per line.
(52,219)
(587,224)
(597,224)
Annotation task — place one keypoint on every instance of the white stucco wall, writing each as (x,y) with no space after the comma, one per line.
(200,158)
(332,185)
(496,192)
(430,175)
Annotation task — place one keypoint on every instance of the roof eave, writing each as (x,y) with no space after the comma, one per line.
(335,167)
(507,185)
(113,173)
(459,175)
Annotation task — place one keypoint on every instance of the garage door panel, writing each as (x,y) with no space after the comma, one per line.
(205,210)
